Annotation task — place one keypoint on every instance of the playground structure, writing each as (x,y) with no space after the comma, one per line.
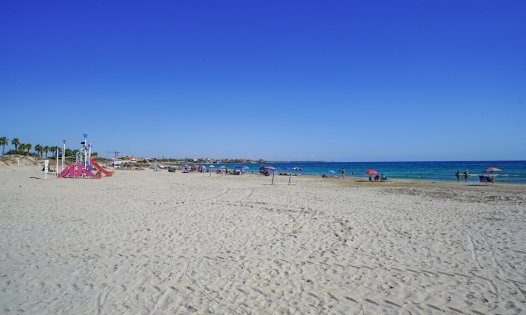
(84,164)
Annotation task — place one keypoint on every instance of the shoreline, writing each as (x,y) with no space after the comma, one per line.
(403,182)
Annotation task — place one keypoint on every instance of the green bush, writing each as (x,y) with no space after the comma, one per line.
(21,152)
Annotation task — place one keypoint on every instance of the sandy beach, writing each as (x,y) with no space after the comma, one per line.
(144,242)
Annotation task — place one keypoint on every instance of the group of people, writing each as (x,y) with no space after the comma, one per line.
(202,169)
(188,169)
(232,171)
(343,172)
(331,174)
(378,178)
(459,175)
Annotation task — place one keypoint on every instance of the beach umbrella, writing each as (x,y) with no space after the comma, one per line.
(371,172)
(269,168)
(492,169)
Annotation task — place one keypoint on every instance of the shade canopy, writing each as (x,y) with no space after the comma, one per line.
(371,172)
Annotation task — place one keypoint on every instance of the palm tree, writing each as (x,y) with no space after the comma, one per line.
(3,142)
(39,149)
(16,143)
(28,147)
(46,149)
(53,150)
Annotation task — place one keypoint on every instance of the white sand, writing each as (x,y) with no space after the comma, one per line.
(146,242)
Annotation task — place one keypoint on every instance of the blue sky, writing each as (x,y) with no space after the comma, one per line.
(279,80)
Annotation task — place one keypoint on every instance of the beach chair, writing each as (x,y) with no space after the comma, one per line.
(486,179)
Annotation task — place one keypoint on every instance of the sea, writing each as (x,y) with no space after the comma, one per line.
(513,172)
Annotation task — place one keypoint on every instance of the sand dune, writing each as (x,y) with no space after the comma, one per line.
(14,160)
(157,242)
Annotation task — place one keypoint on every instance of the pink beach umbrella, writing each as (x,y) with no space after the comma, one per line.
(492,169)
(371,172)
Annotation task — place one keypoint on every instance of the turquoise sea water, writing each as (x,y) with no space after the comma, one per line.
(513,172)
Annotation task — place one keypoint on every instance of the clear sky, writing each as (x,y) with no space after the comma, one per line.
(279,80)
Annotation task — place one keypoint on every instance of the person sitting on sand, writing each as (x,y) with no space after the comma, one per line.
(383,178)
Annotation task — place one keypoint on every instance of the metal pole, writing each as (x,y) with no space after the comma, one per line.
(89,152)
(56,164)
(290,176)
(85,150)
(63,154)
(272,178)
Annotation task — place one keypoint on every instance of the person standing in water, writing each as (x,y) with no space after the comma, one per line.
(343,172)
(466,174)
(457,174)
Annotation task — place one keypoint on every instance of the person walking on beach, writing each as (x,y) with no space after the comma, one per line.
(457,174)
(466,174)
(343,172)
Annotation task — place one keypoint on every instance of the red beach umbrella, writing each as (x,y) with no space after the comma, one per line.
(371,172)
